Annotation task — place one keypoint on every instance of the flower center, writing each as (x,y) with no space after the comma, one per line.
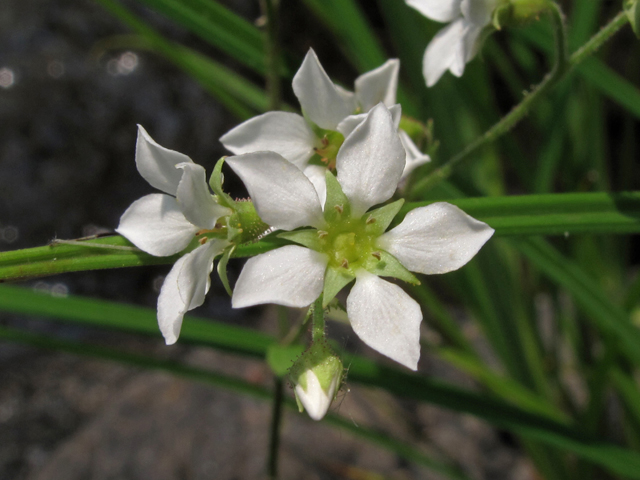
(347,243)
(328,151)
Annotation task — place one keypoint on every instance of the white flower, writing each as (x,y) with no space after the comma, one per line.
(327,106)
(348,239)
(314,398)
(456,44)
(163,225)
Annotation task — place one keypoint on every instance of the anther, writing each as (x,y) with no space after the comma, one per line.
(371,220)
(339,208)
(202,240)
(345,263)
(322,233)
(378,255)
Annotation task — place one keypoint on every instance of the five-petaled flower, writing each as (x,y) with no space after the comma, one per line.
(164,225)
(348,240)
(331,113)
(456,44)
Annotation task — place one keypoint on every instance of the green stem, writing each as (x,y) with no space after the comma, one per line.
(563,64)
(317,329)
(276,417)
(272,46)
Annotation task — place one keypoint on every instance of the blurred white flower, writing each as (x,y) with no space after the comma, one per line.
(456,44)
(164,225)
(347,240)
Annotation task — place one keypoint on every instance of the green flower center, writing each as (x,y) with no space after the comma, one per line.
(347,243)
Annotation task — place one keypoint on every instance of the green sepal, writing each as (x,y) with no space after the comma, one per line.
(323,361)
(337,205)
(282,357)
(215,182)
(389,266)
(244,224)
(307,238)
(633,13)
(379,219)
(222,267)
(501,16)
(335,279)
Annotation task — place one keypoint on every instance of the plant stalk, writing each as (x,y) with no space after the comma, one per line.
(563,64)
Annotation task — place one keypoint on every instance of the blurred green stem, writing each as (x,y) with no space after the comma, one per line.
(563,64)
(272,47)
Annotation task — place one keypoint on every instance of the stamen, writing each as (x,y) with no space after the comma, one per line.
(339,208)
(345,263)
(322,233)
(378,255)
(371,220)
(202,240)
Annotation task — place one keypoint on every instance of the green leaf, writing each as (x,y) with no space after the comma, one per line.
(605,316)
(218,26)
(237,94)
(354,35)
(233,384)
(395,381)
(281,357)
(558,214)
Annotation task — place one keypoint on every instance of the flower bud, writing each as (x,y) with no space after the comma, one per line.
(316,377)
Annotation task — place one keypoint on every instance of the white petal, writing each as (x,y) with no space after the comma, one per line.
(316,174)
(194,199)
(321,102)
(284,198)
(371,160)
(157,164)
(385,318)
(315,400)
(292,276)
(185,287)
(415,157)
(438,10)
(478,11)
(444,51)
(378,85)
(285,133)
(438,238)
(348,125)
(156,225)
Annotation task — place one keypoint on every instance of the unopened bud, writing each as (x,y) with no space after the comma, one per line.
(316,377)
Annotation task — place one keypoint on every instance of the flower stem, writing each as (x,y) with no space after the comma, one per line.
(276,417)
(563,64)
(317,329)
(272,47)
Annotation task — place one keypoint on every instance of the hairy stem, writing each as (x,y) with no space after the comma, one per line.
(317,329)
